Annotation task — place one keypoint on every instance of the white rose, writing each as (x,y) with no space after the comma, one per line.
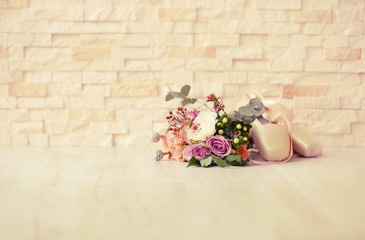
(207,121)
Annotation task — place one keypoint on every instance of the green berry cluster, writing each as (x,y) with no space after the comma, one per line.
(237,131)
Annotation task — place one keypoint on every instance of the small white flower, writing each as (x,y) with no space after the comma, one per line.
(155,137)
(206,121)
(157,155)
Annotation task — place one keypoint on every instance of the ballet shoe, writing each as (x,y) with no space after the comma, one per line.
(304,142)
(272,141)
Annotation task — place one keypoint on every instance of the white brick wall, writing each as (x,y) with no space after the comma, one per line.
(94,73)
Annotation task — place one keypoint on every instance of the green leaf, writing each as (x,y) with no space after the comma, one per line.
(231,158)
(175,94)
(188,101)
(169,97)
(194,162)
(235,160)
(220,162)
(185,90)
(206,162)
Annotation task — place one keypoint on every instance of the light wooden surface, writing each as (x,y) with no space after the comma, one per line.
(117,193)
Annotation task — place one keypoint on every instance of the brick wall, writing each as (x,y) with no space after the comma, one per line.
(94,73)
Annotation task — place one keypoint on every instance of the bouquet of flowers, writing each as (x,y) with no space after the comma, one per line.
(208,138)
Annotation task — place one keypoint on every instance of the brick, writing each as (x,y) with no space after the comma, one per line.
(99,77)
(135,65)
(65,40)
(180,76)
(216,27)
(102,27)
(19,140)
(155,26)
(269,27)
(15,4)
(342,53)
(58,3)
(65,27)
(61,127)
(216,39)
(127,40)
(263,78)
(353,102)
(7,102)
(167,64)
(244,52)
(356,41)
(278,40)
(319,29)
(14,115)
(4,90)
(109,127)
(314,53)
(131,52)
(166,39)
(320,5)
(92,115)
(135,77)
(321,66)
(254,40)
(64,89)
(332,127)
(208,64)
(253,15)
(296,53)
(235,77)
(351,4)
(90,52)
(114,13)
(95,90)
(15,52)
(250,65)
(192,52)
(353,66)
(209,14)
(26,127)
(48,114)
(29,39)
(39,103)
(3,52)
(316,103)
(286,65)
(205,77)
(133,90)
(176,14)
(335,41)
(53,13)
(27,89)
(290,91)
(66,77)
(85,102)
(312,16)
(38,140)
(27,26)
(278,4)
(305,40)
(74,140)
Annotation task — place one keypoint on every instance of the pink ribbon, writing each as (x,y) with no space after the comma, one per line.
(275,113)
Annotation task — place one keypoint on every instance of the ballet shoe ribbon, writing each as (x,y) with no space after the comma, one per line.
(275,113)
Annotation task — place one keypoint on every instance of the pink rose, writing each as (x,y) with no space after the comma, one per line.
(219,146)
(200,151)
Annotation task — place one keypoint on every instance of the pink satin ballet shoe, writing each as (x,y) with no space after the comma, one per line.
(272,141)
(304,142)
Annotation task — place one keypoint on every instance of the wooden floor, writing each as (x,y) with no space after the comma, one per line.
(117,193)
